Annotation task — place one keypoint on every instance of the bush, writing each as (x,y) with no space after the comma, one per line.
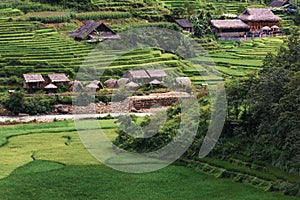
(105,98)
(63,100)
(37,105)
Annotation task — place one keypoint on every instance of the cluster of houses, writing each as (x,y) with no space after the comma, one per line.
(133,79)
(253,22)
(50,83)
(93,31)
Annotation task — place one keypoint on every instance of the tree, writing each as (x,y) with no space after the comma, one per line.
(275,105)
(15,103)
(201,25)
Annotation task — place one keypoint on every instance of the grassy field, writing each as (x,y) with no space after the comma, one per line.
(100,182)
(56,142)
(53,163)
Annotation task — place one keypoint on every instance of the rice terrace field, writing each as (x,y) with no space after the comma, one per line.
(257,155)
(48,161)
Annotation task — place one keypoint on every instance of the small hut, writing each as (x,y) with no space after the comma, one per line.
(279,4)
(185,24)
(75,86)
(122,82)
(97,83)
(92,87)
(131,85)
(94,31)
(33,81)
(138,76)
(182,81)
(230,28)
(155,82)
(157,74)
(50,88)
(60,80)
(110,83)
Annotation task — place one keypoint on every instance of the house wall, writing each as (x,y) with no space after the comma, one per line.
(258,25)
(36,85)
(232,34)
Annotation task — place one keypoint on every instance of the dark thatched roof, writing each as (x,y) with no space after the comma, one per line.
(138,74)
(33,78)
(258,14)
(98,83)
(89,27)
(184,23)
(156,73)
(278,3)
(229,24)
(58,78)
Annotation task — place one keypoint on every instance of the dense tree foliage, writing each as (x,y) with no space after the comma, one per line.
(262,122)
(16,103)
(266,109)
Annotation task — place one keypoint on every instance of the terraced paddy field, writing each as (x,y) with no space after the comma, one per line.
(236,61)
(29,47)
(228,7)
(48,161)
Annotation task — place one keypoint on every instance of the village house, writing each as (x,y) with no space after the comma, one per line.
(75,86)
(230,28)
(257,18)
(110,83)
(50,88)
(253,22)
(93,31)
(33,81)
(157,74)
(122,82)
(95,85)
(138,76)
(279,6)
(185,24)
(60,80)
(182,81)
(131,85)
(155,82)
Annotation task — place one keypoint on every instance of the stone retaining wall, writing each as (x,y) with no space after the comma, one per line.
(146,102)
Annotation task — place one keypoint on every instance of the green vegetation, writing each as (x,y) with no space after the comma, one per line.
(260,141)
(94,182)
(261,124)
(54,165)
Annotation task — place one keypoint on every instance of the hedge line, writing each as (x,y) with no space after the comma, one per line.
(102,15)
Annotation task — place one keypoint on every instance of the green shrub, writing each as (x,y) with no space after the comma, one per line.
(37,105)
